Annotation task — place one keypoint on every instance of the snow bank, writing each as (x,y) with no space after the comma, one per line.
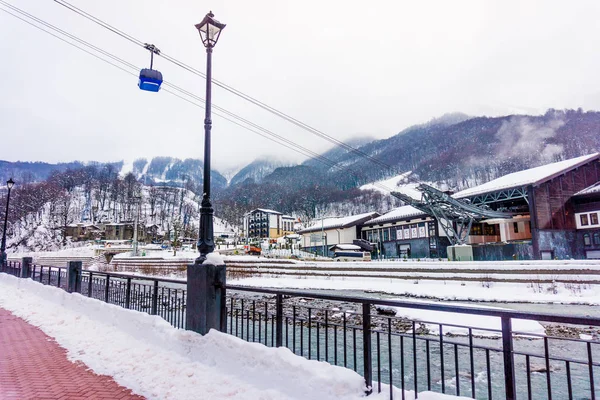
(144,353)
(474,321)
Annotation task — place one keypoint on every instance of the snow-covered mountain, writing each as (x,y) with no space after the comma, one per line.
(257,170)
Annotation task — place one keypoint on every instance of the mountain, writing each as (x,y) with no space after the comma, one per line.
(337,152)
(454,151)
(23,171)
(473,150)
(257,170)
(173,171)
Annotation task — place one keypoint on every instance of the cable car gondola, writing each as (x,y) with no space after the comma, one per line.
(150,79)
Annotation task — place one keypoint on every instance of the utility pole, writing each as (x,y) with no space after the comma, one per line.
(135,226)
(322,236)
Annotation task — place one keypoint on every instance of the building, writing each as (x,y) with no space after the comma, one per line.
(123,231)
(327,232)
(84,231)
(267,224)
(544,201)
(405,232)
(587,220)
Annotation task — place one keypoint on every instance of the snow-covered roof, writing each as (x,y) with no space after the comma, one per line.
(288,217)
(396,214)
(340,222)
(595,188)
(345,247)
(532,176)
(265,210)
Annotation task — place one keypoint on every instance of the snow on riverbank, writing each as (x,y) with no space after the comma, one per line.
(485,323)
(442,290)
(144,353)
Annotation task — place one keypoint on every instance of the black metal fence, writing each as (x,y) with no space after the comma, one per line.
(358,333)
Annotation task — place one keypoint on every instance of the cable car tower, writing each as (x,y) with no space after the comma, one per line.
(455,216)
(150,79)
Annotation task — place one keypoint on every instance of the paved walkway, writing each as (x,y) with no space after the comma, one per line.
(34,366)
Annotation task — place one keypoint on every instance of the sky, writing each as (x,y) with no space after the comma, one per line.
(348,68)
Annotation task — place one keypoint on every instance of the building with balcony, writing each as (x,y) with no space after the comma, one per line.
(267,224)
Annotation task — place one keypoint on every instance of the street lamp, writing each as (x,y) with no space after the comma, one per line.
(9,184)
(210,30)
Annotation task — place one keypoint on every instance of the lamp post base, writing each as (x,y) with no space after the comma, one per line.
(205,303)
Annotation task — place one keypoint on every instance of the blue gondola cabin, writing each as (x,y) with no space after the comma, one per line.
(150,80)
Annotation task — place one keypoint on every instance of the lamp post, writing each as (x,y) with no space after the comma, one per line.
(9,184)
(210,30)
(205,308)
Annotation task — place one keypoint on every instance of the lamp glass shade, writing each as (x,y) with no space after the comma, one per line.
(210,30)
(10,183)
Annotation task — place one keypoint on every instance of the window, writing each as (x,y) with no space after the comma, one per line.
(594,219)
(392,233)
(476,229)
(490,230)
(586,239)
(386,234)
(584,219)
(516,227)
(596,238)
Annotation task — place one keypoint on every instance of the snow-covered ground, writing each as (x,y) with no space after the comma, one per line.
(153,359)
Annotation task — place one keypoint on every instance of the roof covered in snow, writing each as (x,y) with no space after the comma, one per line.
(396,214)
(532,176)
(340,222)
(345,247)
(594,189)
(265,210)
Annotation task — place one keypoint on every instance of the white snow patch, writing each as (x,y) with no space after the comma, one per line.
(126,168)
(214,259)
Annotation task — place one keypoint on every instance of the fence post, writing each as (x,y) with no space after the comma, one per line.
(155,299)
(279,321)
(73,276)
(205,293)
(106,287)
(368,367)
(26,267)
(90,278)
(128,294)
(223,310)
(509,362)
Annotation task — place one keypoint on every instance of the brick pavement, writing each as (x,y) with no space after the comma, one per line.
(34,366)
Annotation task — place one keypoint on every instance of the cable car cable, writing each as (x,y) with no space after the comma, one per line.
(293,146)
(234,91)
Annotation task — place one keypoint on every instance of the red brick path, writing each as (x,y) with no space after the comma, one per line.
(34,366)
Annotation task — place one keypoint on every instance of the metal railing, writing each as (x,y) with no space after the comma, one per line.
(355,333)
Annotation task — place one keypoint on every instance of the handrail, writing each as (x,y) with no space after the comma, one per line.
(546,317)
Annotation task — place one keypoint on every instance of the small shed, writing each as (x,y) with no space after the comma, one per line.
(345,247)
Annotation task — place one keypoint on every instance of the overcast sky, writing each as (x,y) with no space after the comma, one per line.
(346,67)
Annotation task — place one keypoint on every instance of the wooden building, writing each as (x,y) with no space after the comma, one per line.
(543,200)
